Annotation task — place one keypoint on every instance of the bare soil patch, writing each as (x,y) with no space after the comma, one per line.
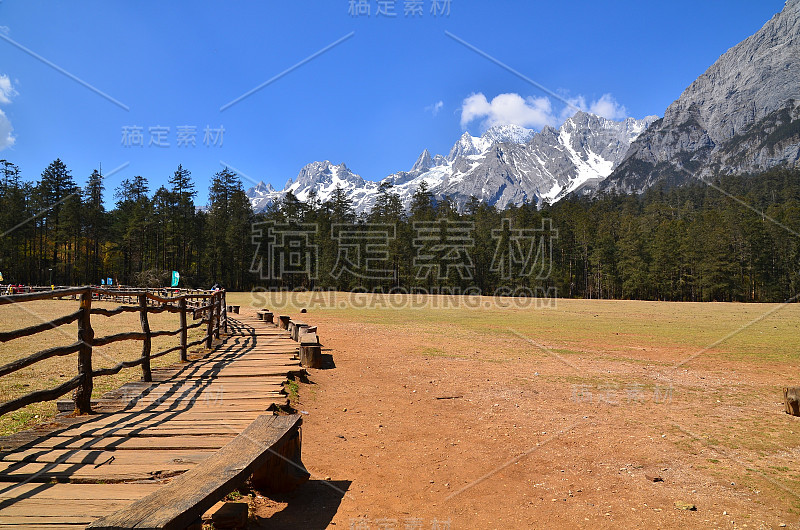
(549,418)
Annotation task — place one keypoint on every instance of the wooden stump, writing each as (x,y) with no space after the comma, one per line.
(791,398)
(308,338)
(310,330)
(283,321)
(284,470)
(269,318)
(311,355)
(297,330)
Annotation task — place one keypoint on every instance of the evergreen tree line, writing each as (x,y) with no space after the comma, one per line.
(54,231)
(736,240)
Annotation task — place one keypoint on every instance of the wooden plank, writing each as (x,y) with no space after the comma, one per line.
(107,473)
(241,387)
(42,526)
(266,355)
(196,414)
(171,443)
(199,399)
(66,456)
(230,374)
(187,497)
(209,384)
(163,430)
(156,430)
(226,389)
(201,405)
(77,491)
(28,520)
(183,403)
(130,417)
(91,508)
(155,423)
(212,371)
(141,386)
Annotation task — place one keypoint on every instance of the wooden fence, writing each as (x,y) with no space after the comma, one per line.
(210,306)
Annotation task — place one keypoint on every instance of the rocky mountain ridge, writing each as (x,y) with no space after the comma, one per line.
(506,165)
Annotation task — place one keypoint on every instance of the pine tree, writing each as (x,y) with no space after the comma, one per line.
(60,197)
(422,204)
(182,212)
(229,227)
(340,207)
(132,227)
(94,224)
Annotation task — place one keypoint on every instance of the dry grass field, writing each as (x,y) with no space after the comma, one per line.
(52,372)
(514,417)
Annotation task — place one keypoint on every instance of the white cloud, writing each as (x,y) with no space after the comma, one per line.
(507,109)
(533,113)
(6,138)
(606,106)
(435,108)
(7,91)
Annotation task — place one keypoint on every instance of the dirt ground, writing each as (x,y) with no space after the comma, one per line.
(590,414)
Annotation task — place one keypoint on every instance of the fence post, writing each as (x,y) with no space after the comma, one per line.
(218,297)
(182,306)
(210,313)
(83,394)
(225,312)
(147,375)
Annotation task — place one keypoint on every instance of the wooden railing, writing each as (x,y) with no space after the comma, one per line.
(207,305)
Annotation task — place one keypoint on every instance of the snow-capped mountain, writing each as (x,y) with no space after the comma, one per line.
(263,195)
(506,165)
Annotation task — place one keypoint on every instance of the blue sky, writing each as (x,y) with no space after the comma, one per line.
(391,88)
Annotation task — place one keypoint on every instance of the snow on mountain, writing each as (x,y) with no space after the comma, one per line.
(262,196)
(506,165)
(508,134)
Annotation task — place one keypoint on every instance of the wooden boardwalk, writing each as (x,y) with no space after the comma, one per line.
(144,433)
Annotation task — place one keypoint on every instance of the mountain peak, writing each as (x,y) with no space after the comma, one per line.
(508,134)
(423,163)
(465,146)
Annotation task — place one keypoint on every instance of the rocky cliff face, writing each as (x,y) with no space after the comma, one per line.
(741,116)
